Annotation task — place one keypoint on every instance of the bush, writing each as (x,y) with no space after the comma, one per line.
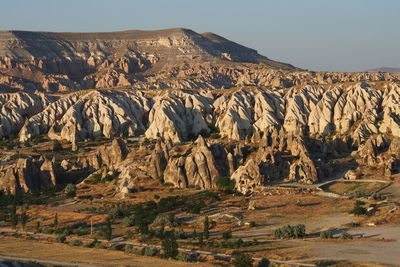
(70,190)
(227,234)
(170,246)
(215,136)
(183,256)
(359,208)
(128,221)
(138,251)
(98,245)
(128,248)
(93,243)
(129,234)
(180,234)
(57,146)
(263,263)
(113,247)
(346,235)
(289,231)
(226,185)
(243,260)
(326,234)
(151,252)
(115,213)
(252,224)
(76,243)
(61,238)
(165,220)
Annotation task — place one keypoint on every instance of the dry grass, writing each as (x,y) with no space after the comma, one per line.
(353,188)
(65,253)
(335,263)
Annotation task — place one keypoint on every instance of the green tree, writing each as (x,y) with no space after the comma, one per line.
(57,146)
(359,208)
(55,223)
(194,234)
(13,213)
(264,262)
(326,234)
(170,246)
(70,190)
(227,234)
(108,229)
(243,260)
(24,218)
(37,229)
(226,185)
(206,227)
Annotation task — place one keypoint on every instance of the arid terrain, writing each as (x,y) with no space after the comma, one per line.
(170,147)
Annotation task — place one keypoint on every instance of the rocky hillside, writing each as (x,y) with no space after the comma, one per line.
(173,58)
(252,135)
(69,61)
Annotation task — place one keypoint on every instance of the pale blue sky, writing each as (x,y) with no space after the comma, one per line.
(340,35)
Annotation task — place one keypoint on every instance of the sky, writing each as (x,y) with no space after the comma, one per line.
(322,35)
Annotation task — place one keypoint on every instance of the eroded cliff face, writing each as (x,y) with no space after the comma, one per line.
(253,135)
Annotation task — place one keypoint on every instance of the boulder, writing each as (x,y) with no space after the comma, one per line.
(247,177)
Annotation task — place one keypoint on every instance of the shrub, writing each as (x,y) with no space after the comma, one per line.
(183,256)
(70,190)
(264,262)
(215,136)
(346,235)
(93,243)
(196,207)
(206,225)
(113,247)
(129,234)
(128,221)
(57,146)
(128,249)
(243,260)
(146,141)
(326,234)
(170,246)
(98,245)
(76,243)
(138,251)
(151,252)
(180,234)
(252,224)
(61,238)
(359,208)
(289,231)
(227,234)
(165,220)
(226,185)
(115,213)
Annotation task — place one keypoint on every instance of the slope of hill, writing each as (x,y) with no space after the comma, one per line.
(65,61)
(385,69)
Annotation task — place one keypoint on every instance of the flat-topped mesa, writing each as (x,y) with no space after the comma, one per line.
(165,44)
(68,61)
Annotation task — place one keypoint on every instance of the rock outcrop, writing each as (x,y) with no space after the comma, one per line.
(247,177)
(86,115)
(179,116)
(27,175)
(198,169)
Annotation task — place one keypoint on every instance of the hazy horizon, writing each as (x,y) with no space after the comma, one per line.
(310,34)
